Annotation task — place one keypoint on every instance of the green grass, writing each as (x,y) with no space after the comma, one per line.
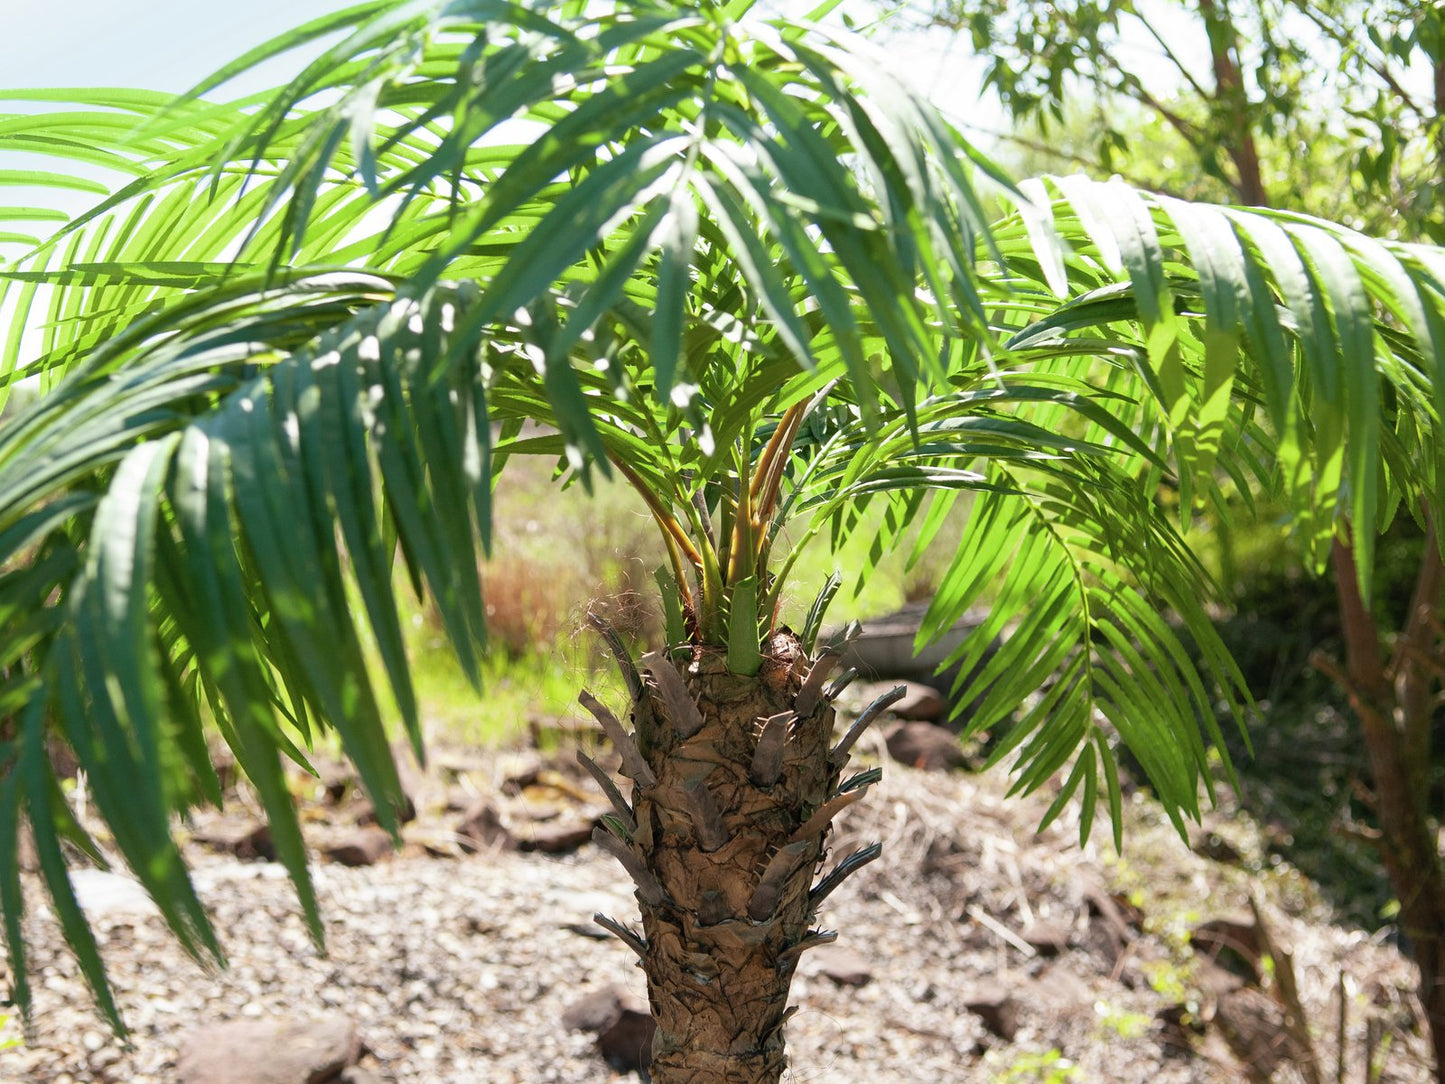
(556,554)
(517,691)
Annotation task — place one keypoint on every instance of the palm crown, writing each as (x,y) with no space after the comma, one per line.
(732,260)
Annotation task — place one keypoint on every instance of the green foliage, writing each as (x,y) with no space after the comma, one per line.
(1042,1067)
(734,263)
(1336,97)
(1121,1023)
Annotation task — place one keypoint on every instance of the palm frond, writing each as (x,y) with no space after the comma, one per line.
(738,260)
(188,518)
(1334,335)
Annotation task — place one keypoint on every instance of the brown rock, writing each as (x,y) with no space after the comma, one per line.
(404,806)
(595,1011)
(1215,847)
(923,745)
(1253,1026)
(337,778)
(560,838)
(481,828)
(843,965)
(521,773)
(313,1051)
(1047,938)
(920,702)
(240,838)
(623,1024)
(626,1045)
(405,810)
(1232,942)
(996,1007)
(361,847)
(1062,989)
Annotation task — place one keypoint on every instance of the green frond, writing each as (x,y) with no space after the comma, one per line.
(1334,334)
(289,342)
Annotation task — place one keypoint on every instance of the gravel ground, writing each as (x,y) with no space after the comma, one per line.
(458,970)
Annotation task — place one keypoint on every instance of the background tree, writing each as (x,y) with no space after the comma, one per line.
(1333,107)
(736,263)
(1279,101)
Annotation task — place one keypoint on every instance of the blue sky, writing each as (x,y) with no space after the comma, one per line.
(156,44)
(172,44)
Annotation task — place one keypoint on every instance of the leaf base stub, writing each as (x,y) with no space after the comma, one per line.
(730,831)
(717,959)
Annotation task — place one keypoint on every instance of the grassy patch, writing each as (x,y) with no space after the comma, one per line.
(558,553)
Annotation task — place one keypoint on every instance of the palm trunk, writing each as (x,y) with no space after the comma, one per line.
(735,784)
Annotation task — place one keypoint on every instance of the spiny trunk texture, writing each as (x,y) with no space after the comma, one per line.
(735,783)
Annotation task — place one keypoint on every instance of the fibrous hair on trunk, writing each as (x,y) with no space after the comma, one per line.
(736,781)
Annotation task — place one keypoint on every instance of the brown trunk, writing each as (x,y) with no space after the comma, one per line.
(1233,103)
(734,789)
(1393,702)
(1430,956)
(1439,98)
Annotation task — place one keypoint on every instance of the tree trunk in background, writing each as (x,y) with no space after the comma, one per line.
(1439,99)
(1231,104)
(735,785)
(1393,698)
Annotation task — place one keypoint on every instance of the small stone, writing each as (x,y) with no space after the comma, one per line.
(433,840)
(920,702)
(623,1024)
(596,1011)
(1061,989)
(481,827)
(405,810)
(521,771)
(240,838)
(362,847)
(357,1075)
(269,1051)
(923,745)
(1232,942)
(843,965)
(337,778)
(103,894)
(1215,847)
(557,838)
(996,1007)
(626,1044)
(1047,938)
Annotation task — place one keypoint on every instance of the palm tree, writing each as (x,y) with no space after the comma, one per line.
(734,262)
